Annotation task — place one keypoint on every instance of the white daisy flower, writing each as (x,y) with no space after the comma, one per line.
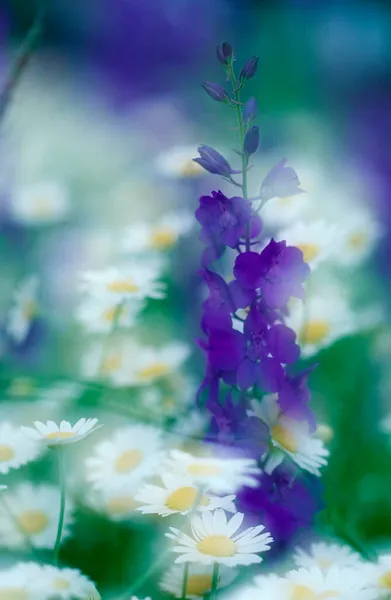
(15,449)
(358,236)
(218,475)
(379,576)
(32,512)
(163,235)
(199,580)
(40,204)
(133,453)
(215,540)
(24,310)
(3,487)
(116,504)
(316,240)
(60,392)
(179,495)
(98,316)
(16,583)
(289,437)
(64,584)
(282,212)
(129,364)
(324,432)
(264,587)
(336,582)
(178,162)
(137,281)
(52,434)
(324,556)
(325,317)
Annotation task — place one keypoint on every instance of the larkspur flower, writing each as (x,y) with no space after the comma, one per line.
(224,53)
(132,453)
(215,539)
(199,580)
(15,449)
(52,434)
(212,161)
(179,494)
(249,68)
(281,181)
(34,511)
(40,204)
(25,309)
(290,437)
(215,91)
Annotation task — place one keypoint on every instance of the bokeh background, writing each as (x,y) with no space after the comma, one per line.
(113,86)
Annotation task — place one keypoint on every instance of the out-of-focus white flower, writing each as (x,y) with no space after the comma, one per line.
(3,487)
(179,495)
(62,584)
(289,437)
(219,475)
(325,556)
(132,454)
(52,434)
(199,580)
(129,364)
(32,512)
(24,310)
(178,162)
(156,237)
(358,234)
(214,540)
(98,316)
(18,583)
(379,576)
(15,449)
(117,504)
(337,582)
(40,204)
(316,240)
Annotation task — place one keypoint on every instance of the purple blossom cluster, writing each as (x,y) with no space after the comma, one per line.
(249,350)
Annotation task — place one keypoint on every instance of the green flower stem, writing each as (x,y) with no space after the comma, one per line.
(61,467)
(185,578)
(215,581)
(112,332)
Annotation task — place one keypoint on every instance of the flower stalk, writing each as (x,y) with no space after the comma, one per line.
(61,469)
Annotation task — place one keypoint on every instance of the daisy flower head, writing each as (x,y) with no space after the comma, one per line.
(52,434)
(358,236)
(15,449)
(215,539)
(116,504)
(179,495)
(199,580)
(129,364)
(157,237)
(99,315)
(34,511)
(336,582)
(177,162)
(66,584)
(316,240)
(324,556)
(24,310)
(138,281)
(289,437)
(379,576)
(218,475)
(40,204)
(132,453)
(19,582)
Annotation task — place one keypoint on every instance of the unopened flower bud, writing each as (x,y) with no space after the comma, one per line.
(249,68)
(212,161)
(224,53)
(250,110)
(215,91)
(251,141)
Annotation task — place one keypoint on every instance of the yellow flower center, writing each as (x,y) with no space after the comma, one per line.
(183,498)
(357,240)
(111,363)
(128,461)
(122,286)
(310,251)
(43,206)
(22,387)
(385,580)
(13,594)
(190,169)
(113,313)
(324,432)
(203,469)
(33,521)
(284,438)
(285,202)
(220,546)
(121,504)
(6,453)
(315,331)
(302,592)
(163,238)
(60,435)
(29,309)
(60,583)
(198,585)
(153,371)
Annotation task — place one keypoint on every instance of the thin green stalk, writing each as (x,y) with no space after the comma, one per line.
(215,581)
(61,468)
(112,332)
(185,578)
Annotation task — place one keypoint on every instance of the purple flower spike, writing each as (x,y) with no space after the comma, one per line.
(249,68)
(224,53)
(215,91)
(250,110)
(212,161)
(281,181)
(251,141)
